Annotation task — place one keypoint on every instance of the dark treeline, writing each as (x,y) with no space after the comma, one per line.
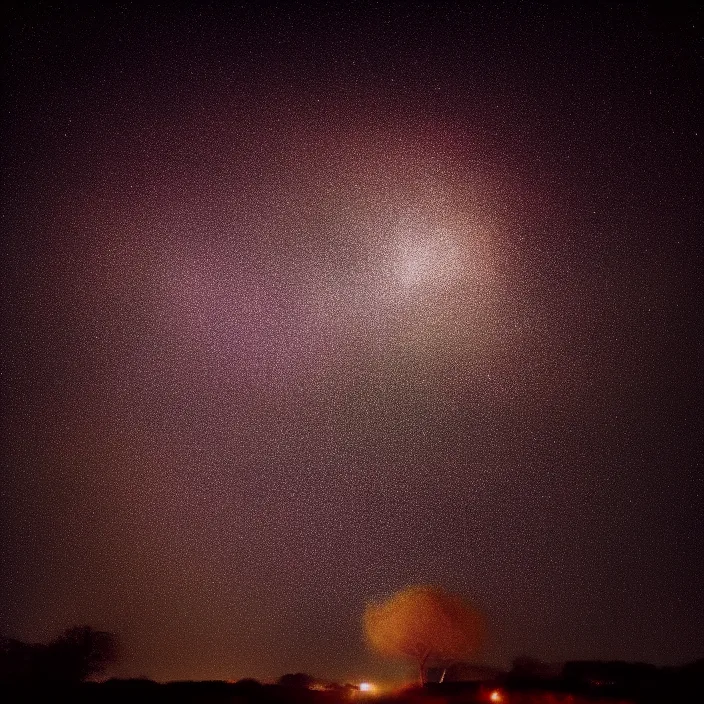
(579,691)
(78,653)
(629,684)
(638,682)
(61,669)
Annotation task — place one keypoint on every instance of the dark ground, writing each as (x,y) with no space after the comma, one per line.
(678,689)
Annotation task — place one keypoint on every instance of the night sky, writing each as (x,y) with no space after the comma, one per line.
(304,304)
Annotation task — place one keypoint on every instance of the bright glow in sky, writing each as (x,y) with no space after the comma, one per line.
(302,305)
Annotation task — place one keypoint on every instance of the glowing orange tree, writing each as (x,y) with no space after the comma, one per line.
(425,624)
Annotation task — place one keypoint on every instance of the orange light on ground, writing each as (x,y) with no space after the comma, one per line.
(366,687)
(495,696)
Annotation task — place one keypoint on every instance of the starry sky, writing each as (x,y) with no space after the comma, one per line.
(303,304)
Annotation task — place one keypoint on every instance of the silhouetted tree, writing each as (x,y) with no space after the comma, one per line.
(613,676)
(423,623)
(527,669)
(75,655)
(81,652)
(298,680)
(17,660)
